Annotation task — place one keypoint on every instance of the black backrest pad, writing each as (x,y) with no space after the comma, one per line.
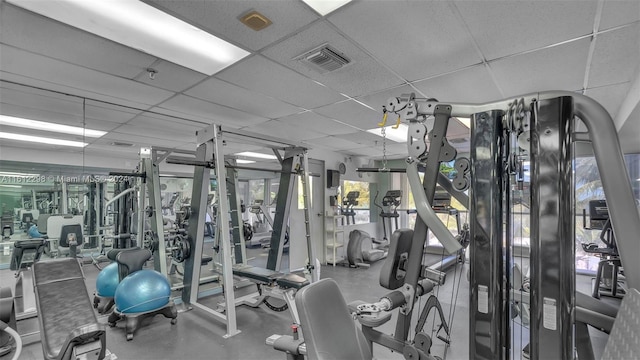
(68,229)
(62,301)
(131,261)
(400,244)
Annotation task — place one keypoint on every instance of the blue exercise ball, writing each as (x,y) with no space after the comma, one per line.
(107,280)
(34,233)
(143,291)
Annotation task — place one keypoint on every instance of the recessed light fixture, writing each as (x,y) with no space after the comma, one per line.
(257,155)
(244,161)
(47,126)
(41,140)
(323,7)
(143,27)
(397,135)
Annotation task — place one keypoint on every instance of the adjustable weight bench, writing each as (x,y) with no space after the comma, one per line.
(69,328)
(272,284)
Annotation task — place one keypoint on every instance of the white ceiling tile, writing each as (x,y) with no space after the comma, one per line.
(471,85)
(224,93)
(416,39)
(619,12)
(157,132)
(313,122)
(138,140)
(109,112)
(352,113)
(221,18)
(170,76)
(362,76)
(41,101)
(182,105)
(616,56)
(34,33)
(364,138)
(282,130)
(333,143)
(508,27)
(66,89)
(557,68)
(259,74)
(610,97)
(167,123)
(57,72)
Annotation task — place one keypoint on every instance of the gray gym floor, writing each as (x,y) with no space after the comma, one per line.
(197,336)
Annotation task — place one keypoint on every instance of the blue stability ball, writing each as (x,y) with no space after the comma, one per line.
(143,291)
(33,232)
(107,280)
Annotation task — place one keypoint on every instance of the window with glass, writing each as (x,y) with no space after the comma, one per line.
(363,208)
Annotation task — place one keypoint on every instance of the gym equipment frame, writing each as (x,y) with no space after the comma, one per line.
(210,155)
(500,134)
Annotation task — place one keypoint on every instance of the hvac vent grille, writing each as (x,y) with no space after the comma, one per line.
(325,59)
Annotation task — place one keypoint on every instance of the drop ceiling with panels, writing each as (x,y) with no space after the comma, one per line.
(458,51)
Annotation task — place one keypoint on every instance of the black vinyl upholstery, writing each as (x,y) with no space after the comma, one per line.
(131,260)
(391,276)
(70,229)
(65,311)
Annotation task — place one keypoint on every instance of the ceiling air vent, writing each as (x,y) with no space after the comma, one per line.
(324,59)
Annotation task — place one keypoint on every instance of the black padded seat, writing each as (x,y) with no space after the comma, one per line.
(65,313)
(260,275)
(131,260)
(22,247)
(292,281)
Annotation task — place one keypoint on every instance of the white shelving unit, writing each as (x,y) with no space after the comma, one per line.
(334,238)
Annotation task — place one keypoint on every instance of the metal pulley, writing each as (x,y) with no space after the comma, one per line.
(462,180)
(418,146)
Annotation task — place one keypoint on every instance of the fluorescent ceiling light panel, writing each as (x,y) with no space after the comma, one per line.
(41,140)
(142,27)
(465,121)
(323,7)
(47,126)
(17,174)
(257,155)
(243,161)
(12,186)
(397,135)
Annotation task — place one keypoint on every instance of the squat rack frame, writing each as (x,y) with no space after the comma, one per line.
(210,155)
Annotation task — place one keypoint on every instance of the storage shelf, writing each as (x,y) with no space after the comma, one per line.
(334,228)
